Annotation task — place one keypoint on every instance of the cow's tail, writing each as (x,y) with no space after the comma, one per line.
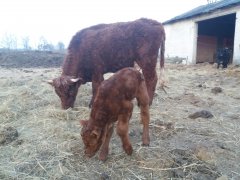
(162,59)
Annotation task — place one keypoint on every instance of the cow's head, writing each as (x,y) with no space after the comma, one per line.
(92,138)
(66,88)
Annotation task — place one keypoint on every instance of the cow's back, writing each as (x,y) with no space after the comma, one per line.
(111,47)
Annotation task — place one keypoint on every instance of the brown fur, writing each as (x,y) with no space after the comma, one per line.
(105,48)
(113,103)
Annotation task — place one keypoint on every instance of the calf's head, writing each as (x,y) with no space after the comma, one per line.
(92,138)
(66,88)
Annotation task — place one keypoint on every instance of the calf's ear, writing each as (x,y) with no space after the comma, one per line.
(96,132)
(83,122)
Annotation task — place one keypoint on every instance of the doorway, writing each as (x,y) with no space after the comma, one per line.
(213,35)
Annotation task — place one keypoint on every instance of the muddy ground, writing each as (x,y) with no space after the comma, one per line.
(38,140)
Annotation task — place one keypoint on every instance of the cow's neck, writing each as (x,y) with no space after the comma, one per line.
(71,64)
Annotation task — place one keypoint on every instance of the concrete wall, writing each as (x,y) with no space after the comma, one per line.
(181,36)
(181,40)
(236,50)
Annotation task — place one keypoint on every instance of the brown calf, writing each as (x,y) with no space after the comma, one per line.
(113,103)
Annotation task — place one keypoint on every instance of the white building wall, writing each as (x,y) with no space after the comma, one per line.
(181,36)
(181,40)
(236,50)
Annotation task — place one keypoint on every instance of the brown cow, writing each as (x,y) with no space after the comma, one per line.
(113,102)
(105,48)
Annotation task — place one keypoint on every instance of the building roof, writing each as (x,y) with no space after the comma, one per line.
(204,9)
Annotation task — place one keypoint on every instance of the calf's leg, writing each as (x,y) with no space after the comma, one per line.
(105,146)
(122,128)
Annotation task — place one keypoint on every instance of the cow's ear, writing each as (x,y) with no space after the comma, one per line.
(83,122)
(75,80)
(50,82)
(55,82)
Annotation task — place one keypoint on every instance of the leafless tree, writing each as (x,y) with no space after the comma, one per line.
(25,42)
(211,1)
(60,46)
(44,45)
(9,41)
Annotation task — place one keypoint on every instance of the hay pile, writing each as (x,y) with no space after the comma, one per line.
(48,144)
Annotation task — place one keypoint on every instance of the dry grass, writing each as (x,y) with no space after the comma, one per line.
(48,145)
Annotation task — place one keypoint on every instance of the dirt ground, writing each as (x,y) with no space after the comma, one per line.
(38,140)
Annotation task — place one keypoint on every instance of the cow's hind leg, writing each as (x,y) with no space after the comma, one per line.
(150,76)
(123,125)
(105,146)
(142,98)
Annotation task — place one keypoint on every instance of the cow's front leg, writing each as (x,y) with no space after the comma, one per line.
(96,81)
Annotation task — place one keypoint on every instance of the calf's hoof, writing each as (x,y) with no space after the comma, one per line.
(146,141)
(103,155)
(128,149)
(145,144)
